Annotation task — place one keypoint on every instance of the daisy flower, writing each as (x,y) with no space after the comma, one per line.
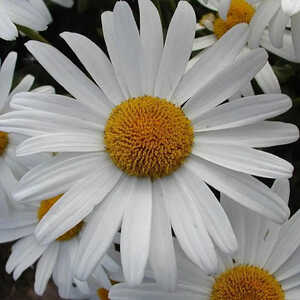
(266,265)
(274,24)
(149,138)
(55,259)
(29,13)
(12,168)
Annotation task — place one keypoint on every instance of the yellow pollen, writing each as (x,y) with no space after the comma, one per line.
(148,136)
(43,209)
(240,11)
(103,294)
(3,141)
(246,282)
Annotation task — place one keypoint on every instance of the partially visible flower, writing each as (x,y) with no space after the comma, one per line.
(12,168)
(266,265)
(55,259)
(274,24)
(147,138)
(32,14)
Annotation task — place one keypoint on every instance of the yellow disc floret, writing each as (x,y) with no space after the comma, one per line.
(240,11)
(148,136)
(45,205)
(102,294)
(3,141)
(246,282)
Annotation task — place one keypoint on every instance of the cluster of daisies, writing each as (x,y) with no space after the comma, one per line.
(108,189)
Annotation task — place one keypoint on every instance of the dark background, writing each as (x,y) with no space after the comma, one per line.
(84,18)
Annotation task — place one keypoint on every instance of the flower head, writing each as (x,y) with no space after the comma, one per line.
(146,138)
(265,267)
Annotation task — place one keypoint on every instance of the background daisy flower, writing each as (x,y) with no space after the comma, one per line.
(31,14)
(148,138)
(266,265)
(274,24)
(12,168)
(55,259)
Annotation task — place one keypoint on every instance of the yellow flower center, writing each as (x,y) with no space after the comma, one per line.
(240,11)
(3,142)
(148,136)
(103,294)
(246,282)
(43,209)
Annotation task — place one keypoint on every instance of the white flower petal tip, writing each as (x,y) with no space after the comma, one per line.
(290,7)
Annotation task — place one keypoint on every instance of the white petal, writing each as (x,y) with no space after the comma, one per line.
(9,235)
(53,103)
(260,20)
(96,63)
(24,85)
(290,7)
(108,27)
(8,31)
(287,51)
(220,55)
(45,268)
(57,175)
(65,3)
(41,6)
(70,77)
(18,218)
(244,111)
(6,77)
(262,134)
(215,220)
(162,255)
(136,232)
(177,50)
(227,82)
(267,80)
(188,225)
(245,189)
(62,275)
(204,42)
(295,20)
(33,122)
(211,4)
(129,48)
(101,227)
(149,291)
(288,242)
(7,179)
(223,8)
(25,14)
(152,43)
(282,188)
(244,159)
(77,203)
(22,257)
(62,142)
(277,27)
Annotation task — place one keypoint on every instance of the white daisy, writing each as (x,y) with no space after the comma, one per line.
(12,168)
(274,24)
(130,132)
(29,13)
(265,267)
(55,259)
